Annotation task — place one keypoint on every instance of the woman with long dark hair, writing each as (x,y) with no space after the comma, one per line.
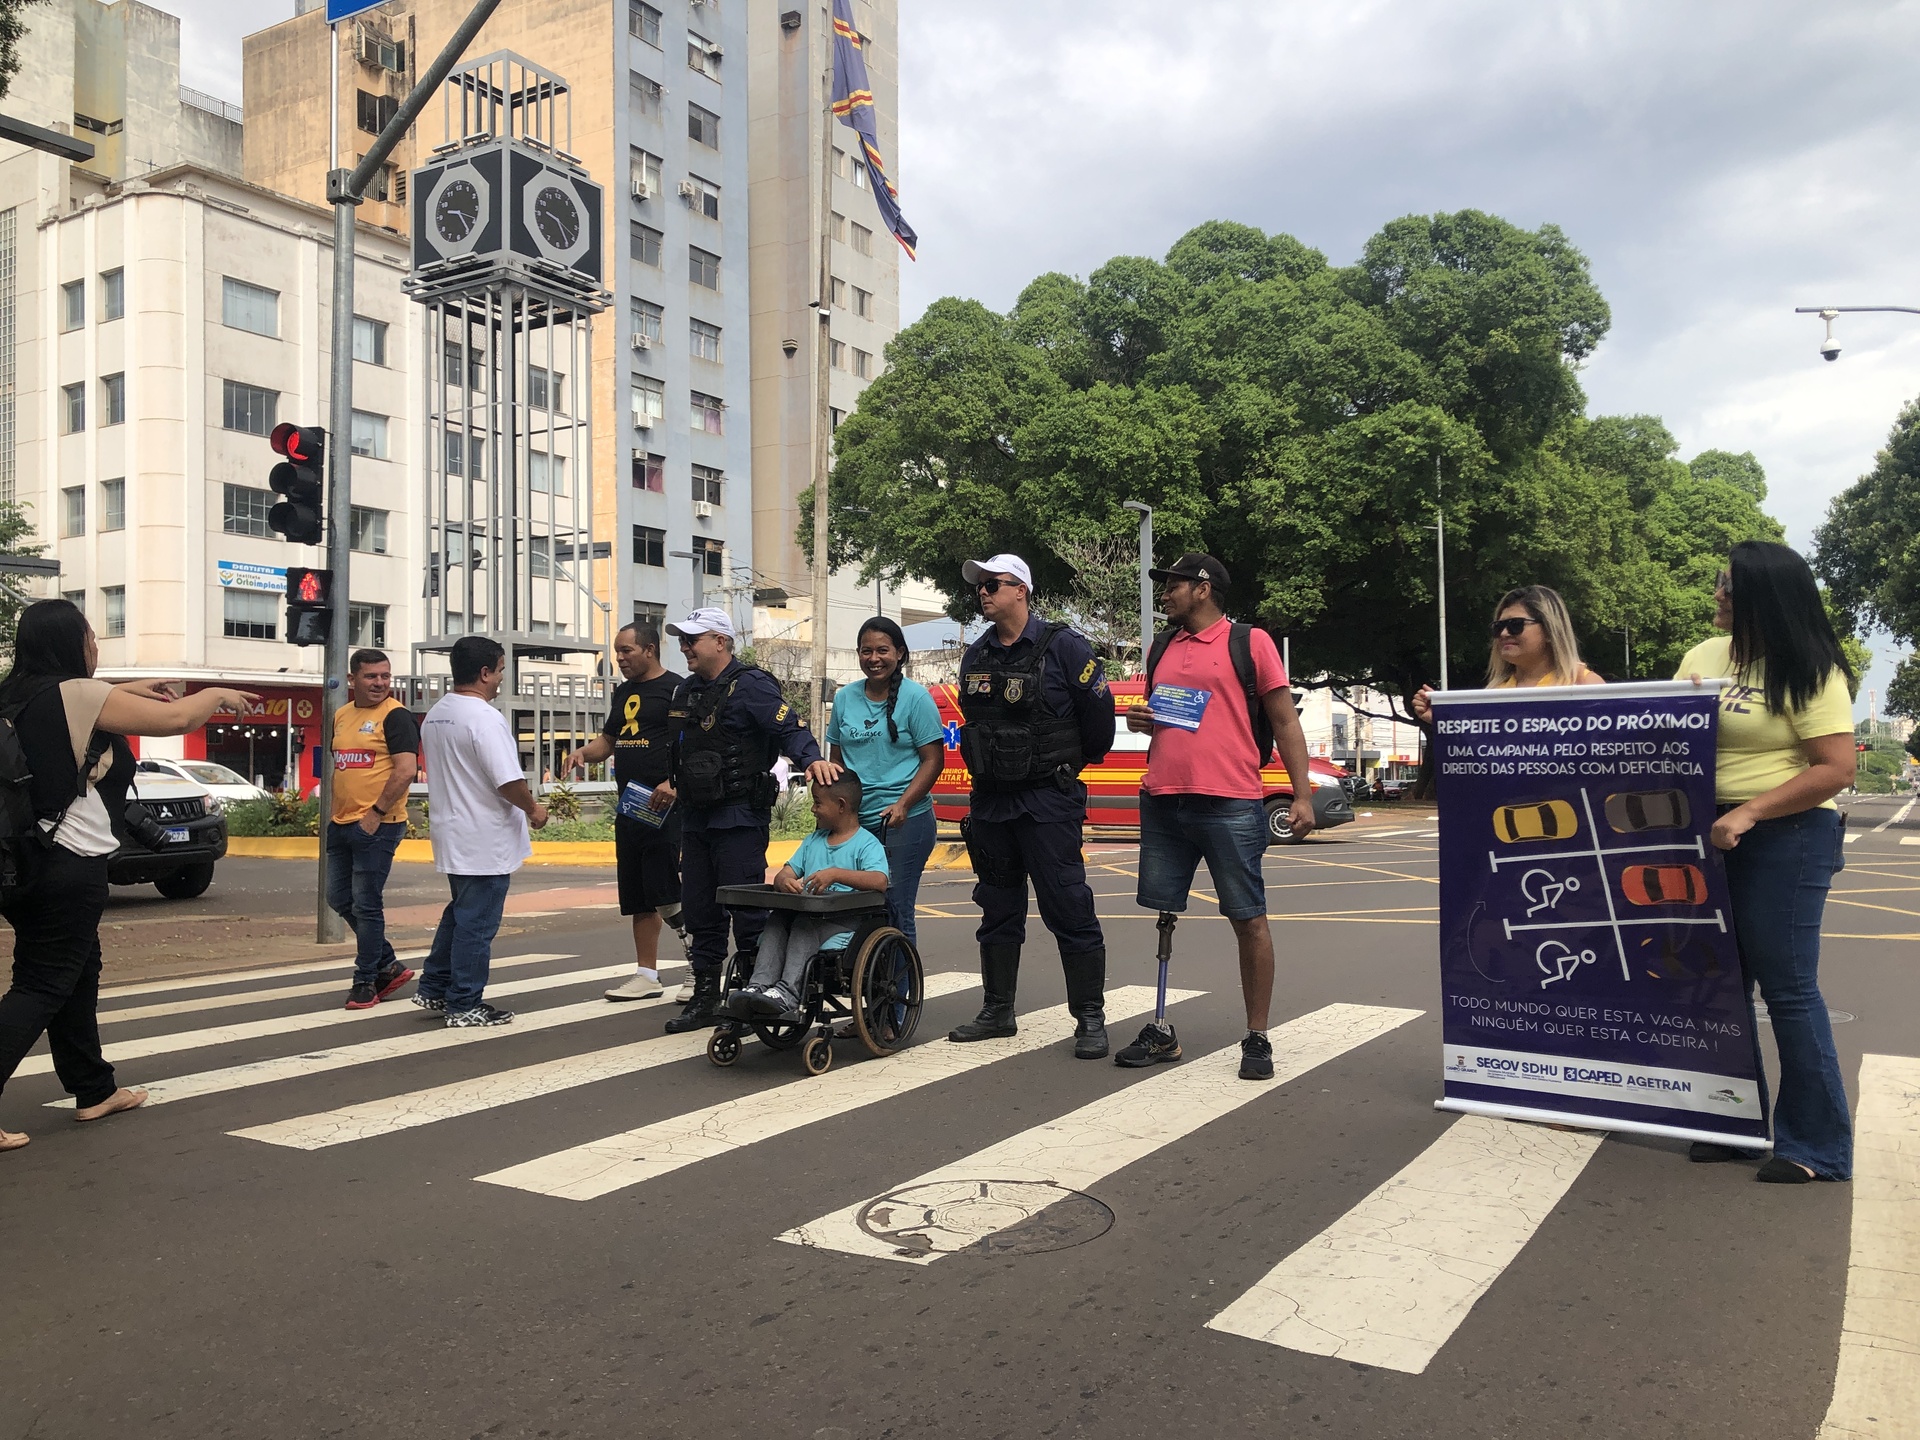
(888,732)
(71,727)
(1785,750)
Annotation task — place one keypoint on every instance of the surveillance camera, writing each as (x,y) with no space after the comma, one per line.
(1830,348)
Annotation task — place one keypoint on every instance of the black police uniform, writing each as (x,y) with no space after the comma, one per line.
(647,856)
(727,733)
(1036,711)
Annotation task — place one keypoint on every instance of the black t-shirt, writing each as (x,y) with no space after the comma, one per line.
(402,731)
(637,726)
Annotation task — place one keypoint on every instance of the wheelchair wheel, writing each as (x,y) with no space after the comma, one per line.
(818,1055)
(780,1034)
(723,1047)
(888,991)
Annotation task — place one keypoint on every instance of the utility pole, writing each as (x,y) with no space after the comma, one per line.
(1440,554)
(345,188)
(1146,580)
(823,377)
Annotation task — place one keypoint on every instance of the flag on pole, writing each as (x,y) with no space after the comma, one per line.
(853,103)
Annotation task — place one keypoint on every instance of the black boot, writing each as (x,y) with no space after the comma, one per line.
(999,975)
(703,1009)
(1086,1001)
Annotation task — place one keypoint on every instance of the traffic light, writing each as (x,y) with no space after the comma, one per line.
(302,478)
(309,605)
(1861,746)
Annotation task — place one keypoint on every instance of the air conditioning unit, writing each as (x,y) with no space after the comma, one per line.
(642,419)
(639,453)
(714,50)
(643,341)
(642,191)
(702,510)
(689,190)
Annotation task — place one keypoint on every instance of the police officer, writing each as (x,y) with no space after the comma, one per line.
(729,722)
(1037,709)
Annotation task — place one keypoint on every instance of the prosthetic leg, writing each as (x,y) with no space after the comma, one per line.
(1156,1044)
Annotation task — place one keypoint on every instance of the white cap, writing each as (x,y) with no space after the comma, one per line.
(974,571)
(707,621)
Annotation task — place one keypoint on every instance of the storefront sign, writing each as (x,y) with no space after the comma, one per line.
(240,575)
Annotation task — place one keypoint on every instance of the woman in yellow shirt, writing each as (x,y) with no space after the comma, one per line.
(1533,644)
(1785,750)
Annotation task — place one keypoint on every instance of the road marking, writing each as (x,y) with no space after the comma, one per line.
(1389,1282)
(1849,839)
(506,1087)
(339,964)
(1910,839)
(1893,819)
(283,992)
(601,1167)
(1878,1378)
(309,1020)
(1081,1149)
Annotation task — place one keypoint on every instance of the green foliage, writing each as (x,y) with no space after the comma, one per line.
(13,28)
(15,529)
(1289,416)
(562,802)
(281,813)
(558,830)
(793,814)
(1868,552)
(1903,691)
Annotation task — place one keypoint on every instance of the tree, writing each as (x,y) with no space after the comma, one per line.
(13,27)
(1868,551)
(1903,691)
(1103,598)
(15,533)
(1741,471)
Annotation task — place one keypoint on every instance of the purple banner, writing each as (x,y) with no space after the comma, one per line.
(1587,959)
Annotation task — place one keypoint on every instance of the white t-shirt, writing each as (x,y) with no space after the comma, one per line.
(470,754)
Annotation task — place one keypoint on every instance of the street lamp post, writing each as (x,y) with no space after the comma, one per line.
(1830,347)
(1145,513)
(1439,528)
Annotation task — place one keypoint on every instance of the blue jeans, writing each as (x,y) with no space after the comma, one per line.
(908,848)
(357,868)
(1177,832)
(1778,877)
(462,955)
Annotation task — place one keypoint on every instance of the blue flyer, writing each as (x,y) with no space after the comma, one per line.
(1178,706)
(636,804)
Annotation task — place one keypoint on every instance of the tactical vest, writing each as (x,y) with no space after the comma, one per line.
(1012,739)
(713,765)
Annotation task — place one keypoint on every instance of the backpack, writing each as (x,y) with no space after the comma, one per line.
(23,841)
(1240,651)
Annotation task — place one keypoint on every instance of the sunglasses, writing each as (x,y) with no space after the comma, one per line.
(1514,625)
(992,587)
(1724,582)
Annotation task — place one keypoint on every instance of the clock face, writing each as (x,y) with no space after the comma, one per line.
(457,211)
(557,215)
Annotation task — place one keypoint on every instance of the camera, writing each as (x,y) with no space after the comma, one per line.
(144,829)
(1830,349)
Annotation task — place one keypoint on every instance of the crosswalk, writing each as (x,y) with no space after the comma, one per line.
(1387,1284)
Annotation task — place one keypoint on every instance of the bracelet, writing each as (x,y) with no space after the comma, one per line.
(378,811)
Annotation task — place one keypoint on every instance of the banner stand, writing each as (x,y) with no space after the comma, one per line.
(1591,1122)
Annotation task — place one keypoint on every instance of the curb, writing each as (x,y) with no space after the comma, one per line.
(590,853)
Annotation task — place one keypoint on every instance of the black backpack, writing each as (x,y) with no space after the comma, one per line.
(21,838)
(1240,650)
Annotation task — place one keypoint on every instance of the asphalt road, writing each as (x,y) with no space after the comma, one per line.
(344,1269)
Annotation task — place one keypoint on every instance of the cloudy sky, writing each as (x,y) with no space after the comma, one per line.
(1719,161)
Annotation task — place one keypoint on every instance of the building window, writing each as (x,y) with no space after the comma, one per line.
(703,125)
(863,303)
(370,435)
(113,399)
(649,402)
(75,418)
(547,474)
(75,598)
(703,340)
(649,546)
(250,614)
(708,483)
(643,170)
(837,292)
(837,227)
(113,605)
(367,625)
(73,511)
(647,318)
(375,112)
(654,615)
(709,413)
(113,505)
(546,390)
(837,354)
(650,473)
(476,371)
(73,305)
(709,555)
(705,198)
(862,239)
(643,22)
(248,408)
(703,267)
(862,365)
(370,340)
(245,510)
(643,243)
(703,55)
(113,294)
(462,459)
(645,95)
(367,530)
(834,417)
(249,307)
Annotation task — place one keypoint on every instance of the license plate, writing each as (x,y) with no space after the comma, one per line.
(178,835)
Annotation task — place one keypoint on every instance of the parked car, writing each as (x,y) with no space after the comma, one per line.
(190,836)
(226,786)
(1113,785)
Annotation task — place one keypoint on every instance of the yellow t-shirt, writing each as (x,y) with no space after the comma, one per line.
(1758,749)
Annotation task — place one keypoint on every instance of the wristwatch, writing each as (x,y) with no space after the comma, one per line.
(378,811)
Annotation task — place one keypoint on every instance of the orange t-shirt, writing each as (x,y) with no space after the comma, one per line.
(365,740)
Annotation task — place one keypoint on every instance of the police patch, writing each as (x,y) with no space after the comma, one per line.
(1016,687)
(1087,674)
(980,684)
(780,714)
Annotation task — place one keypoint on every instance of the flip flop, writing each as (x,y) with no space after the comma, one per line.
(122,1099)
(10,1141)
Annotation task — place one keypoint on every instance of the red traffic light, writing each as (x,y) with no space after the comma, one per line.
(1861,746)
(302,444)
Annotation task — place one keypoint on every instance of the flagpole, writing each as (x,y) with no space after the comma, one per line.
(823,418)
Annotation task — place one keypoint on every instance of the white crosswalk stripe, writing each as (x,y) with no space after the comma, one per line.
(1081,1149)
(339,964)
(506,1087)
(1389,1282)
(601,1167)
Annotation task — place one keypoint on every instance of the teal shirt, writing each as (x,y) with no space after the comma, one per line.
(860,851)
(885,767)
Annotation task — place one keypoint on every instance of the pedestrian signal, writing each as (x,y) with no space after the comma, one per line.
(302,478)
(309,605)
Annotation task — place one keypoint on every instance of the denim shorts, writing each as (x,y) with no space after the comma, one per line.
(1177,832)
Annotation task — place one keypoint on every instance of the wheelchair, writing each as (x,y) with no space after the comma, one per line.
(876,981)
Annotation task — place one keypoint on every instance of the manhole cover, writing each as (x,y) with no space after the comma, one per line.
(1838,1017)
(985,1217)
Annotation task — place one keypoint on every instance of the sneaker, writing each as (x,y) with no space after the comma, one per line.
(362,996)
(740,1004)
(777,1002)
(1155,1045)
(392,977)
(641,987)
(684,993)
(432,1004)
(1256,1057)
(479,1015)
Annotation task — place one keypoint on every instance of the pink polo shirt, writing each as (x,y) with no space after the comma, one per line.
(1218,758)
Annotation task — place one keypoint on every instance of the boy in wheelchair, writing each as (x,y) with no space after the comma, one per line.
(838,855)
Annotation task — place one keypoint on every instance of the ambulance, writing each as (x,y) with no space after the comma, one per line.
(1113,785)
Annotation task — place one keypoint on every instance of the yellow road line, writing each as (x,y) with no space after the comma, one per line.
(1868,905)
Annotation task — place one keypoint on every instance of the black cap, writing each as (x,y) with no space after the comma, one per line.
(1195,566)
